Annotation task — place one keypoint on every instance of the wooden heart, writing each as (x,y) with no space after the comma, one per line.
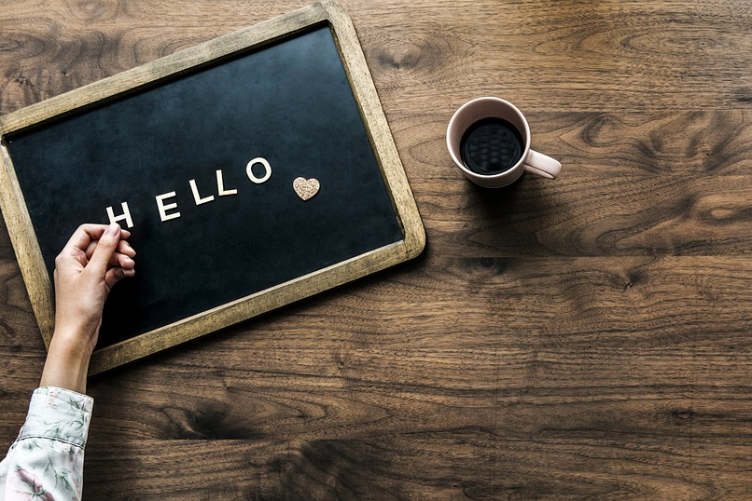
(306,188)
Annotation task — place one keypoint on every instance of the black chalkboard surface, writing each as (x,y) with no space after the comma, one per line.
(200,166)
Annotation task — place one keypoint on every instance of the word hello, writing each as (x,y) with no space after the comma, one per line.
(168,210)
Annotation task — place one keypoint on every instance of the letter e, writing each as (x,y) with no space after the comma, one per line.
(164,208)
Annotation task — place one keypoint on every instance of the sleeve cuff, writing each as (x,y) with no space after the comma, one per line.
(58,414)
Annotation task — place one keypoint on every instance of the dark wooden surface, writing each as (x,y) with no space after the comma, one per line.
(587,338)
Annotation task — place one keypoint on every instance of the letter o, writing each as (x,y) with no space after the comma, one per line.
(267,168)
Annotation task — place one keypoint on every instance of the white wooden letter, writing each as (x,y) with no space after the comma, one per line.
(221,191)
(164,208)
(125,216)
(267,168)
(196,196)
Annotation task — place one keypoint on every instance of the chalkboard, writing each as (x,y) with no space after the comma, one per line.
(252,171)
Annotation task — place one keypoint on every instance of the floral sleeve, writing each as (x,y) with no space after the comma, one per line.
(46,461)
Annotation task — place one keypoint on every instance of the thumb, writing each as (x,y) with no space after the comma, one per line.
(106,246)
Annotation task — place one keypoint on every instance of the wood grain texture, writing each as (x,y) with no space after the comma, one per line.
(596,143)
(587,338)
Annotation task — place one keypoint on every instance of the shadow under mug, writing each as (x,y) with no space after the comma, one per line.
(483,108)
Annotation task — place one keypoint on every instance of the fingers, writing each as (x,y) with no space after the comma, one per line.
(106,246)
(102,250)
(85,239)
(86,233)
(124,261)
(118,260)
(114,275)
(73,254)
(123,256)
(79,241)
(123,246)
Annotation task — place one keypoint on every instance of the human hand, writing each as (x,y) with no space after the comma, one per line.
(95,258)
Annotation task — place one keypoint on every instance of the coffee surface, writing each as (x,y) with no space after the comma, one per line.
(491,146)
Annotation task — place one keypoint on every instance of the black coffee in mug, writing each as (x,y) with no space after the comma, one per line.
(490,146)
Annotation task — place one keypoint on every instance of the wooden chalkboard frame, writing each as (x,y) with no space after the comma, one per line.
(29,254)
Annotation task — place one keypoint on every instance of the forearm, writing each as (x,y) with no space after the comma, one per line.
(67,364)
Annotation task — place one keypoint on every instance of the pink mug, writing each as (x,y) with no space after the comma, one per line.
(504,123)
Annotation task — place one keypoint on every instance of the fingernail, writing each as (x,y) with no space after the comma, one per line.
(113,230)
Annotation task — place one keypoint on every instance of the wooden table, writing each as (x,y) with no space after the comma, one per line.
(586,338)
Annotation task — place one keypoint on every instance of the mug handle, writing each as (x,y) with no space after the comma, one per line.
(542,165)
